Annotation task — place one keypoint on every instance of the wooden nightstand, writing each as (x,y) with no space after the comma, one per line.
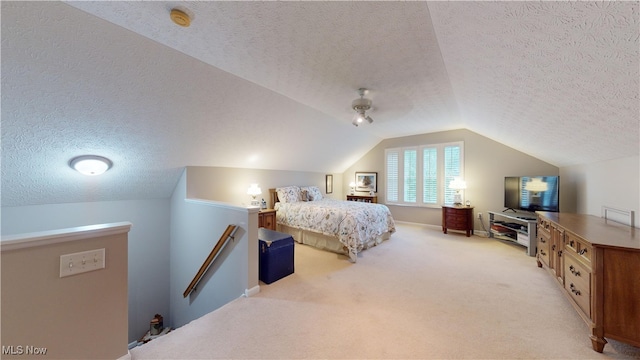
(457,218)
(363,198)
(267,219)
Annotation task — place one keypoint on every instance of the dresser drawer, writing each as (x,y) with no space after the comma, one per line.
(579,247)
(457,221)
(458,216)
(576,273)
(456,212)
(577,282)
(543,249)
(457,226)
(544,226)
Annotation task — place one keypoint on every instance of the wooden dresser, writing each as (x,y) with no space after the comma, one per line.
(457,218)
(363,198)
(597,263)
(267,219)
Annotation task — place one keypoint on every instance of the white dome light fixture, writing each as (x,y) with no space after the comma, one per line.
(90,165)
(361,106)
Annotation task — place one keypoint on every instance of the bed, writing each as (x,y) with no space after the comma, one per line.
(344,227)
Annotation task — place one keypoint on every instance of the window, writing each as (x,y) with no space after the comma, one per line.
(420,175)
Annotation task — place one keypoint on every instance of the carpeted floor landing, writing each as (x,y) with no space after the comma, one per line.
(420,295)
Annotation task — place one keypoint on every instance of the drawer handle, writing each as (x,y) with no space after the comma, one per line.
(542,240)
(571,243)
(574,271)
(574,290)
(582,252)
(542,253)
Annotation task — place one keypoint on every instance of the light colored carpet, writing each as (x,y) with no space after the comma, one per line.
(420,295)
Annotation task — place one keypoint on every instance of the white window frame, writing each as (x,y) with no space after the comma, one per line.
(441,185)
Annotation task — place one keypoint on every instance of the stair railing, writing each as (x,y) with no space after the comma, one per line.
(231,230)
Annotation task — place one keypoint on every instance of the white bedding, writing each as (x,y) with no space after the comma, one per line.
(354,224)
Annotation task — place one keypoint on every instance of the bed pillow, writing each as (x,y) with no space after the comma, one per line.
(288,194)
(303,194)
(313,193)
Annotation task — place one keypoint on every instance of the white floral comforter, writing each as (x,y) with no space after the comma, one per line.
(353,223)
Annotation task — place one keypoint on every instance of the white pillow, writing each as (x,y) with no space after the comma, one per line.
(313,193)
(288,194)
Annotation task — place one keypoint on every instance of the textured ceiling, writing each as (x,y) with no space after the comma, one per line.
(269,84)
(557,80)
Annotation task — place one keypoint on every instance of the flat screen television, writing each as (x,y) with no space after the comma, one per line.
(532,193)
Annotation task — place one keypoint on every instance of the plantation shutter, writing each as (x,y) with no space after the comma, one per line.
(452,169)
(410,175)
(430,175)
(393,172)
(420,175)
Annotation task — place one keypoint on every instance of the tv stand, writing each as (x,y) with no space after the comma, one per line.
(519,227)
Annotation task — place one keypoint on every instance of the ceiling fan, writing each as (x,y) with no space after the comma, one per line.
(360,106)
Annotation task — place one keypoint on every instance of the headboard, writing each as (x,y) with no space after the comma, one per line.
(273,196)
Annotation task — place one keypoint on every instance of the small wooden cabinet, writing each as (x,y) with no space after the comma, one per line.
(267,219)
(457,218)
(363,198)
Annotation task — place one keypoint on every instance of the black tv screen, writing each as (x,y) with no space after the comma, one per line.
(532,193)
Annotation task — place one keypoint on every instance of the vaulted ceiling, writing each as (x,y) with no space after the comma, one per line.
(269,85)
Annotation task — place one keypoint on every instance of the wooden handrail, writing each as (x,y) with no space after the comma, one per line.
(231,230)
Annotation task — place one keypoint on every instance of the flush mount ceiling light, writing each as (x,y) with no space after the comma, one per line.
(180,17)
(90,165)
(360,106)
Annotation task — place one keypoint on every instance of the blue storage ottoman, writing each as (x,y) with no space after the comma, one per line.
(276,255)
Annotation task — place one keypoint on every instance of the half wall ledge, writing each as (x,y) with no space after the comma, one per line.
(40,238)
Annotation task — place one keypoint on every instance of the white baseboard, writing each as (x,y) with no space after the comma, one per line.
(250,292)
(481,233)
(419,224)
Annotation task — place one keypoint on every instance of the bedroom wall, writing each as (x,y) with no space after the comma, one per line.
(83,316)
(195,229)
(148,245)
(487,162)
(230,184)
(614,183)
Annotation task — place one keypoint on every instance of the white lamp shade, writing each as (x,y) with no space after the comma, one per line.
(457,184)
(91,165)
(254,190)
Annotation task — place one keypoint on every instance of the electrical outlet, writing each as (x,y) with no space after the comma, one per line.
(480,216)
(81,262)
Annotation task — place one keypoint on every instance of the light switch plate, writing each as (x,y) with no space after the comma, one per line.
(81,262)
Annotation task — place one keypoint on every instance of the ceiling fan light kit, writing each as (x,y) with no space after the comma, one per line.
(360,106)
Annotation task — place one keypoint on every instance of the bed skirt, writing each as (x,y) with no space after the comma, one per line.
(326,242)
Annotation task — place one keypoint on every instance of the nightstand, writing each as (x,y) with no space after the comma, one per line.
(267,219)
(363,198)
(457,218)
